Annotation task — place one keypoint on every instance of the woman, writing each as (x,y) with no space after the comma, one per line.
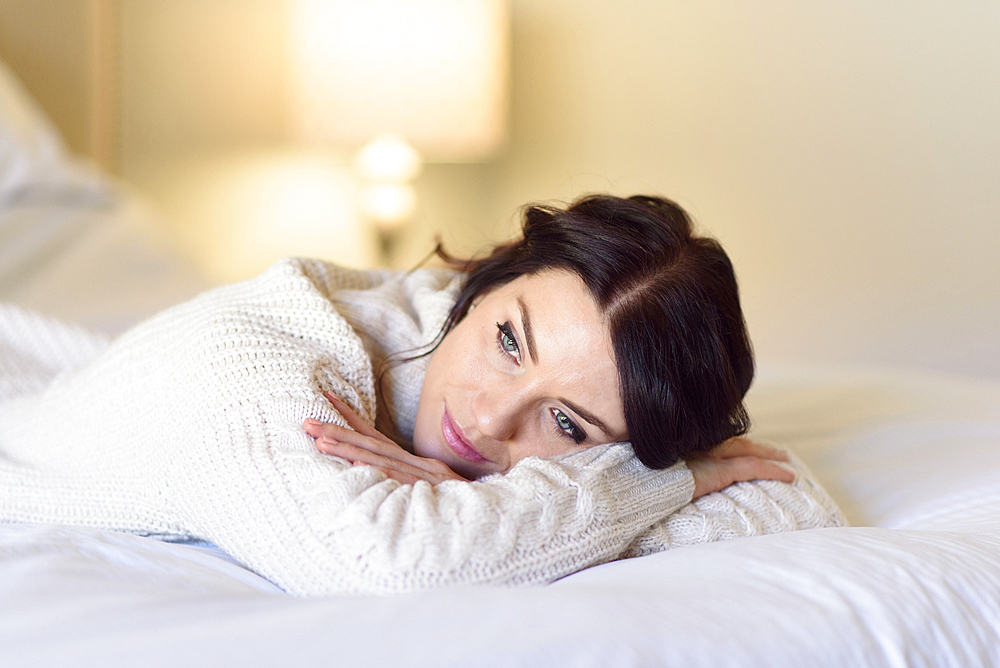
(638,295)
(607,321)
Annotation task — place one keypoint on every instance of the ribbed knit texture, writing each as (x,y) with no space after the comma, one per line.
(743,509)
(191,425)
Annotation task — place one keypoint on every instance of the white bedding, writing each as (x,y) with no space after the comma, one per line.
(789,599)
(74,244)
(922,589)
(913,459)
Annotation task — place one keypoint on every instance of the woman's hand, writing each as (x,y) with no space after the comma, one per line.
(736,460)
(366,446)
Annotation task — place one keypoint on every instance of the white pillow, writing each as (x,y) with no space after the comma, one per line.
(72,243)
(32,154)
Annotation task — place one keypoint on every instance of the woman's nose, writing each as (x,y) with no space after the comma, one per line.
(499,407)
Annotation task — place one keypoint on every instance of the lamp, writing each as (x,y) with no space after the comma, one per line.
(400,82)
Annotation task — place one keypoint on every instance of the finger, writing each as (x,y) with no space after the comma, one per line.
(744,447)
(707,476)
(383,452)
(335,436)
(360,452)
(318,429)
(352,418)
(355,453)
(405,478)
(742,469)
(395,469)
(333,431)
(389,451)
(712,475)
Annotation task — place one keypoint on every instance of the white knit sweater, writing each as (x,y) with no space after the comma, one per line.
(190,425)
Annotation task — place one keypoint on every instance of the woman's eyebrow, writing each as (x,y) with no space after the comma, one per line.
(588,416)
(529,341)
(529,338)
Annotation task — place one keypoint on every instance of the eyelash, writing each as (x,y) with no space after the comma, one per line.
(505,334)
(571,431)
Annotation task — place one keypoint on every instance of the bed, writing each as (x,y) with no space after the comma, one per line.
(913,459)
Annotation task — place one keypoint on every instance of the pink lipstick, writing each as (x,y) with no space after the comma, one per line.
(457,441)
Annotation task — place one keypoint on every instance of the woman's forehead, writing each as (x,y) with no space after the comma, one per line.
(556,298)
(552,283)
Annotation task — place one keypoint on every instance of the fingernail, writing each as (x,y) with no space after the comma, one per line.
(331,396)
(312,422)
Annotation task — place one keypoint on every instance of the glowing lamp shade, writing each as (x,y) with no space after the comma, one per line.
(431,71)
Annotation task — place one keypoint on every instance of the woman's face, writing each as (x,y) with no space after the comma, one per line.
(529,371)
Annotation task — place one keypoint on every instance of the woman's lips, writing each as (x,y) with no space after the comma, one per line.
(456,440)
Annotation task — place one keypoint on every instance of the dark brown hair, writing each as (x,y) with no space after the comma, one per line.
(672,305)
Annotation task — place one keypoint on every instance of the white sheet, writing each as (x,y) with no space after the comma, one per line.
(96,262)
(894,449)
(924,595)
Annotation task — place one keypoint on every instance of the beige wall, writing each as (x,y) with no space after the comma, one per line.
(201,76)
(847,154)
(844,152)
(65,53)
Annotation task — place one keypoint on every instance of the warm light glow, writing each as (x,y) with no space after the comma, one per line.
(432,71)
(254,209)
(388,204)
(390,158)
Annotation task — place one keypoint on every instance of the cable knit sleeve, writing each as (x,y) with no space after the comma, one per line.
(315,526)
(743,509)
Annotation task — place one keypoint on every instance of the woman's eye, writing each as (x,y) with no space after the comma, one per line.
(507,341)
(567,426)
